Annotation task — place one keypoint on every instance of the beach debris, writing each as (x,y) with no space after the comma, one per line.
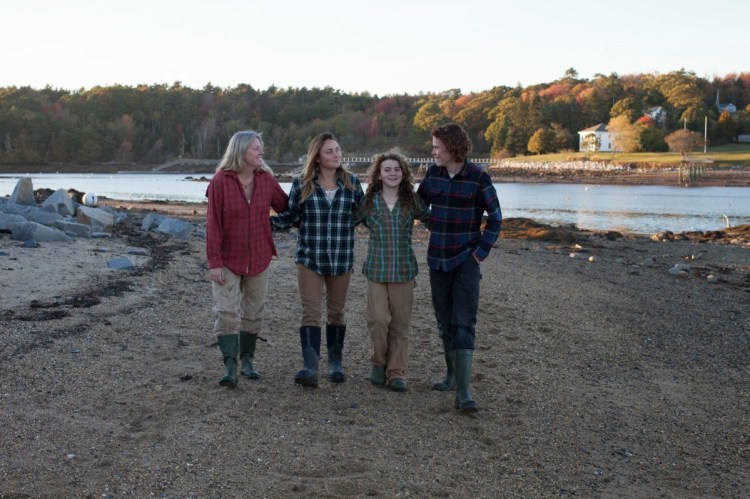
(592,258)
(90,199)
(712,278)
(665,236)
(133,250)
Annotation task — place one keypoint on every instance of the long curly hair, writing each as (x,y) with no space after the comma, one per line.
(312,167)
(407,198)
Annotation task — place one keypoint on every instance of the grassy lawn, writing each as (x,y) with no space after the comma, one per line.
(728,154)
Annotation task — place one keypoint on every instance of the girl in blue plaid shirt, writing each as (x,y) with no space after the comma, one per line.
(322,203)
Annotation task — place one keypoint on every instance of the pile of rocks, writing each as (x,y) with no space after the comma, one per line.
(59,218)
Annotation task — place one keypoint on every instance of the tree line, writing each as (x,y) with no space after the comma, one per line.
(157,123)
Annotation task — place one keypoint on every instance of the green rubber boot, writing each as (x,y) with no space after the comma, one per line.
(464,403)
(449,382)
(228,347)
(247,353)
(377,375)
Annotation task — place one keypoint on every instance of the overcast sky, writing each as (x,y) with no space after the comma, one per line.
(379,46)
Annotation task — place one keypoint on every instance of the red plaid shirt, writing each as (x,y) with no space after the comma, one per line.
(238,232)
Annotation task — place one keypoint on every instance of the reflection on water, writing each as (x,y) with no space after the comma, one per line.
(639,209)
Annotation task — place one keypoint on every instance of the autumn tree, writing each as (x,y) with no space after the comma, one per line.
(684,141)
(627,106)
(726,128)
(542,141)
(625,135)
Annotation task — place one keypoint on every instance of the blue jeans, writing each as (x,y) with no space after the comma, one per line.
(455,298)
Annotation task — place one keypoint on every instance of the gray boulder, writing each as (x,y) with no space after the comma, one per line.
(95,218)
(80,230)
(8,220)
(18,209)
(152,221)
(25,231)
(43,217)
(120,264)
(60,202)
(24,192)
(175,227)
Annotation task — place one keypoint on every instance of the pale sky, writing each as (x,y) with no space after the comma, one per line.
(380,46)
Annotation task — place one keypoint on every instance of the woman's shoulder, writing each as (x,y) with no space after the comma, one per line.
(222,175)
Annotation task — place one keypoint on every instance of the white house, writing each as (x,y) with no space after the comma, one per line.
(658,114)
(595,138)
(724,107)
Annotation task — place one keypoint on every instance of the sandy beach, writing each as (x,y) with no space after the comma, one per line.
(599,374)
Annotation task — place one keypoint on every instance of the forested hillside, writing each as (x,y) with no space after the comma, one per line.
(157,123)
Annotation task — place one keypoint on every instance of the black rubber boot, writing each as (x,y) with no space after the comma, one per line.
(464,402)
(310,340)
(228,347)
(335,343)
(247,353)
(450,377)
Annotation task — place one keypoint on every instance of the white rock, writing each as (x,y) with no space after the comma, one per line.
(712,278)
(679,270)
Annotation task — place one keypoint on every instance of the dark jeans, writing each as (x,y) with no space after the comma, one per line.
(455,298)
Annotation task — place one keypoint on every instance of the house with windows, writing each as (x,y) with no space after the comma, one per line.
(658,114)
(729,107)
(595,138)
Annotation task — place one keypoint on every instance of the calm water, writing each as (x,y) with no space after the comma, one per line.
(638,209)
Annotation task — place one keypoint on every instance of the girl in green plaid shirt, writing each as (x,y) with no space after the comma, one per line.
(388,210)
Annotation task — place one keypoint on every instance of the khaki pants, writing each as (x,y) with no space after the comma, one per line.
(238,303)
(388,322)
(310,285)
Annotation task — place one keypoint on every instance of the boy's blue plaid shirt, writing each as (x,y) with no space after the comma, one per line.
(457,205)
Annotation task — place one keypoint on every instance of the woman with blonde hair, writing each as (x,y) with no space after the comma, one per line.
(239,248)
(322,203)
(388,211)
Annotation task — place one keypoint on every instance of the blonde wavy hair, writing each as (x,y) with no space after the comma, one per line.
(238,144)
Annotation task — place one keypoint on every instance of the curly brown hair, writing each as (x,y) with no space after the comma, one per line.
(455,138)
(407,198)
